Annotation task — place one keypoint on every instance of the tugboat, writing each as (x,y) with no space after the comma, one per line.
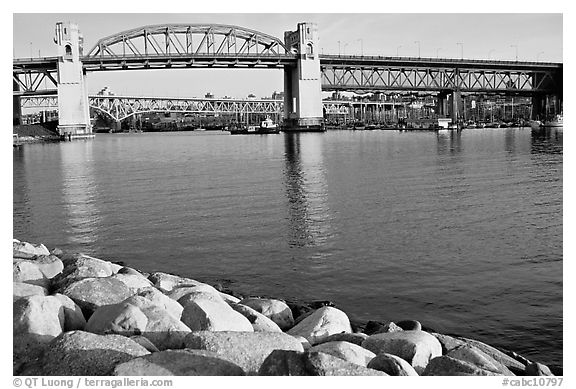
(268,127)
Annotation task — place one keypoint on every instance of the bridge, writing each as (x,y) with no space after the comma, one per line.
(120,108)
(306,72)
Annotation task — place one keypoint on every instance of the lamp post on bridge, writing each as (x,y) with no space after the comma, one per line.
(338,48)
(344,50)
(398,51)
(361,47)
(516,47)
(437,50)
(461,49)
(418,42)
(31,55)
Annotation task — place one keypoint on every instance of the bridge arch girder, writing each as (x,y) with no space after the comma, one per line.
(186,40)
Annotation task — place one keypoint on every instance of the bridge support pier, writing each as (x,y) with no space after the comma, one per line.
(456,106)
(302,84)
(73,108)
(17,105)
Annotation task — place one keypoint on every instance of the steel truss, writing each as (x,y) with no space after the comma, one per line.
(120,107)
(187,45)
(388,78)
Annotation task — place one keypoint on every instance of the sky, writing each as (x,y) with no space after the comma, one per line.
(483,36)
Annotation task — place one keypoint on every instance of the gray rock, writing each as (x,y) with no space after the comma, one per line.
(349,352)
(187,294)
(276,310)
(392,365)
(478,358)
(93,293)
(144,342)
(167,282)
(160,299)
(448,342)
(246,349)
(448,366)
(30,273)
(210,315)
(356,338)
(303,341)
(73,316)
(23,289)
(415,347)
(259,322)
(229,298)
(179,363)
(322,323)
(139,316)
(40,317)
(130,271)
(82,353)
(27,249)
(136,283)
(321,364)
(409,325)
(122,318)
(389,327)
(538,369)
(78,267)
(284,363)
(49,265)
(496,354)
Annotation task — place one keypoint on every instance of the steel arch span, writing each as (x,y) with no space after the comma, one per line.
(187,45)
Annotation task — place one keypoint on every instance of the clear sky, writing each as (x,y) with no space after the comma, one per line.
(496,36)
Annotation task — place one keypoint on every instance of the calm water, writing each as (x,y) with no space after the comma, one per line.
(460,231)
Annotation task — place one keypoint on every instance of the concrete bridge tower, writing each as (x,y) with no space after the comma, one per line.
(302,83)
(73,108)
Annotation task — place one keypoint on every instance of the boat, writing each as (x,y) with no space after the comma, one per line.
(556,121)
(268,127)
(552,122)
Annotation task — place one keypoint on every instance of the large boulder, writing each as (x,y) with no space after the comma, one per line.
(415,347)
(210,315)
(167,282)
(160,299)
(246,349)
(73,316)
(93,293)
(185,362)
(136,283)
(196,292)
(259,322)
(347,351)
(356,338)
(29,273)
(293,363)
(23,289)
(276,310)
(392,365)
(49,265)
(81,266)
(82,353)
(28,250)
(478,358)
(139,316)
(448,366)
(39,317)
(322,364)
(496,354)
(322,323)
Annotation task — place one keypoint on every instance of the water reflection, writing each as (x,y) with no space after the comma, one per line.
(547,141)
(449,142)
(306,189)
(80,193)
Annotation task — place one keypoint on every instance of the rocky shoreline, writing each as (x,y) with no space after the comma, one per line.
(74,314)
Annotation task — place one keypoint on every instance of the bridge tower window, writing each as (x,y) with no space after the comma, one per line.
(68,51)
(309,50)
